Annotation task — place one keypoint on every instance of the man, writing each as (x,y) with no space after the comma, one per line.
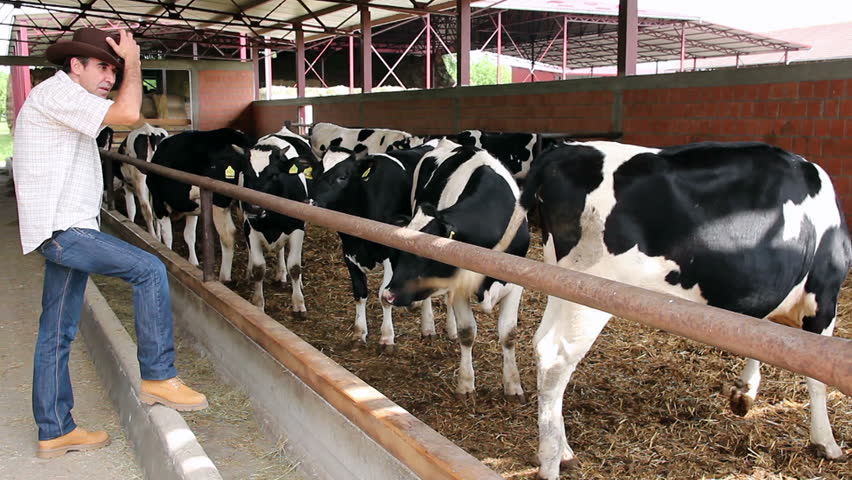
(58,195)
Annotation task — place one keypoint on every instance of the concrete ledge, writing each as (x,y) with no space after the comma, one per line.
(164,445)
(337,425)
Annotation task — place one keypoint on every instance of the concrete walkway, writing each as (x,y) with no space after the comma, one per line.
(20,298)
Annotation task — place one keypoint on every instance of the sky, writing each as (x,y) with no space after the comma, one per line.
(759,15)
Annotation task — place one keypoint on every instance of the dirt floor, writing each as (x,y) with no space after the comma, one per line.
(643,404)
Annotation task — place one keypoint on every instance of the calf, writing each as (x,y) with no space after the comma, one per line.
(140,143)
(376,187)
(358,140)
(514,150)
(276,161)
(220,154)
(465,194)
(742,226)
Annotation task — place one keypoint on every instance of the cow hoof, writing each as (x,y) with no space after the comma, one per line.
(386,349)
(515,398)
(300,316)
(740,402)
(428,338)
(821,452)
(357,344)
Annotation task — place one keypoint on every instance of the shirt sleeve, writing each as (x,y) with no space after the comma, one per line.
(71,105)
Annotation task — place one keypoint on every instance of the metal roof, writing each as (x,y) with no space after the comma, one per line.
(169,28)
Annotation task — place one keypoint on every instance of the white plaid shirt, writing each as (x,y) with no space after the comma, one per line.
(58,178)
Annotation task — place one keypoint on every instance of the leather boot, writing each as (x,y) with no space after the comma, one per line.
(172,393)
(76,440)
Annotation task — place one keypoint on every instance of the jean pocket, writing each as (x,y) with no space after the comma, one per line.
(51,250)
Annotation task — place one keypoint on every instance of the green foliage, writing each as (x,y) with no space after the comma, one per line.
(4,84)
(483,70)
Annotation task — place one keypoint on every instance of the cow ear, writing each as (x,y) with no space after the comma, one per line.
(360,151)
(365,167)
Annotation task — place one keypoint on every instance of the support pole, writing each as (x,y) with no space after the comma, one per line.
(267,69)
(628,36)
(565,25)
(499,43)
(463,43)
(366,50)
(300,61)
(243,52)
(351,64)
(682,45)
(207,251)
(255,67)
(428,20)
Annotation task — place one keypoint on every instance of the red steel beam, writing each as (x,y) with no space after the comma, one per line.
(628,36)
(463,43)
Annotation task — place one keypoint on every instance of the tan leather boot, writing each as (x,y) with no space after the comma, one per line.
(172,393)
(76,440)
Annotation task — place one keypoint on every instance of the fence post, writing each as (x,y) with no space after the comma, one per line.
(207,252)
(108,181)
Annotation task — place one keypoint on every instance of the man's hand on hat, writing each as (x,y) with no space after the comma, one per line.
(126,48)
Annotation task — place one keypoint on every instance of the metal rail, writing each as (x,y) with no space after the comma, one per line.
(828,359)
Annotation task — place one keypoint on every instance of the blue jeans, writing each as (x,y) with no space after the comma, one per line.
(70,256)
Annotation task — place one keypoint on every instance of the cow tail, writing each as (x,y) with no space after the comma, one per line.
(467,282)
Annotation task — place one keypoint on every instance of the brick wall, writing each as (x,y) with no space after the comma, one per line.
(224,96)
(810,118)
(805,108)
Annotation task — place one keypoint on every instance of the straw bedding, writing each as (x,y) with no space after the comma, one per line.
(642,404)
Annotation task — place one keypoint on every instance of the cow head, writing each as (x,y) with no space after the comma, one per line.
(281,175)
(416,278)
(340,171)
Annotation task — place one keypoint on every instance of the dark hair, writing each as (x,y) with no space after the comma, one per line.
(66,65)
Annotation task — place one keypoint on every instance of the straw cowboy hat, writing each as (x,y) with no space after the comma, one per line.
(87,42)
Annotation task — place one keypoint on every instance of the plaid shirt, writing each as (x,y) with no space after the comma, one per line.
(58,178)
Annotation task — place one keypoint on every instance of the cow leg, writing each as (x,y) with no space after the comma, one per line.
(427,321)
(466,387)
(189,237)
(130,204)
(359,291)
(386,342)
(227,231)
(507,329)
(145,206)
(165,224)
(451,327)
(742,394)
(294,265)
(256,265)
(566,334)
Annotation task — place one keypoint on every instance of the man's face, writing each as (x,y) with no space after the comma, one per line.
(97,76)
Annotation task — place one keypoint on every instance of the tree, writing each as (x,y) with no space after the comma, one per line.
(483,70)
(4,84)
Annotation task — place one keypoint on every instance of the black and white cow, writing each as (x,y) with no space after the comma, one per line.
(376,187)
(105,137)
(325,135)
(514,150)
(465,194)
(220,154)
(276,161)
(742,226)
(140,143)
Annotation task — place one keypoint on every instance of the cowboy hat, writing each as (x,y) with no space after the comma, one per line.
(86,42)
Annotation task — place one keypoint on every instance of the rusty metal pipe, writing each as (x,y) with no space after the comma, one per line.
(828,359)
(207,250)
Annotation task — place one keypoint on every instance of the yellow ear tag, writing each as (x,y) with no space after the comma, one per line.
(309,172)
(230,173)
(452,234)
(366,172)
(293,170)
